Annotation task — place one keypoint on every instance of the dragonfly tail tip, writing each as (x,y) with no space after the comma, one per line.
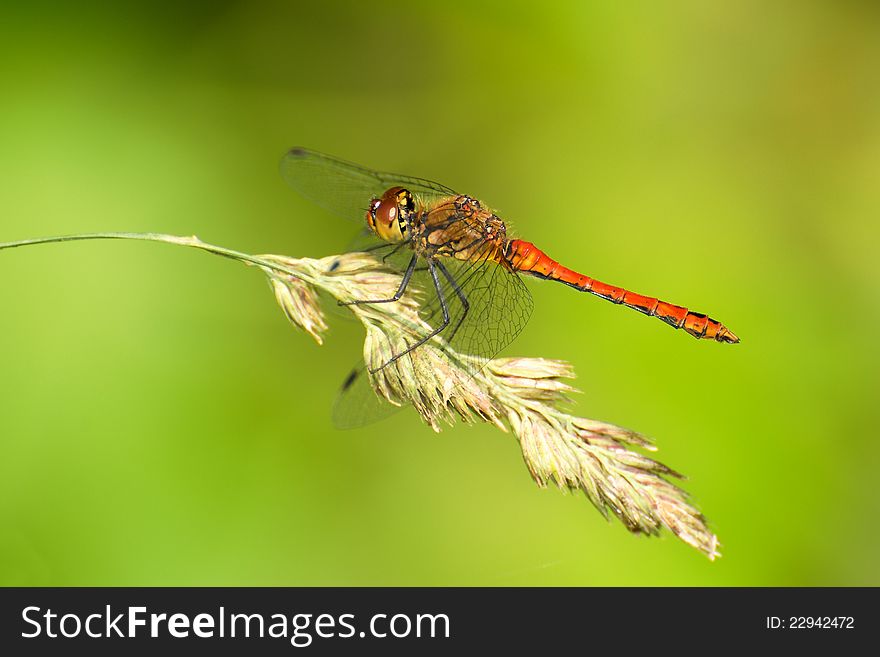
(728,336)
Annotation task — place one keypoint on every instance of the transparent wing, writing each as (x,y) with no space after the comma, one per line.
(345,188)
(357,403)
(488,305)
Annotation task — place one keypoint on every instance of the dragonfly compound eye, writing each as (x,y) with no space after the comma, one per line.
(390,215)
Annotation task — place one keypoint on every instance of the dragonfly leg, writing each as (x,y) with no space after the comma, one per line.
(369,249)
(376,247)
(393,251)
(383,245)
(407,276)
(443,306)
(461,297)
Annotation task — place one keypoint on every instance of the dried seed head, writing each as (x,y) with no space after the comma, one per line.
(299,302)
(525,394)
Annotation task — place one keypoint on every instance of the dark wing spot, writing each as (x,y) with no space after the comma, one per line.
(349,380)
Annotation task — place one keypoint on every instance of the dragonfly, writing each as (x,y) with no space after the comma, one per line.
(460,251)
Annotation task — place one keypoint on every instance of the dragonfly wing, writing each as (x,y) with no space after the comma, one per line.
(357,404)
(488,306)
(345,188)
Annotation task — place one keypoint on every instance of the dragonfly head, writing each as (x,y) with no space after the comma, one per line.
(390,215)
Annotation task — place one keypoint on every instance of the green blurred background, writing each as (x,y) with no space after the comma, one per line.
(160,422)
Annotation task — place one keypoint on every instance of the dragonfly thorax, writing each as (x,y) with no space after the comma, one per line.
(391,215)
(461,228)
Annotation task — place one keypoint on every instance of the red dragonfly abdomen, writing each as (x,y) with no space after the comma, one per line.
(529,259)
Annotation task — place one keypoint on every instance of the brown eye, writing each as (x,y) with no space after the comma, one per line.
(391,213)
(386,212)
